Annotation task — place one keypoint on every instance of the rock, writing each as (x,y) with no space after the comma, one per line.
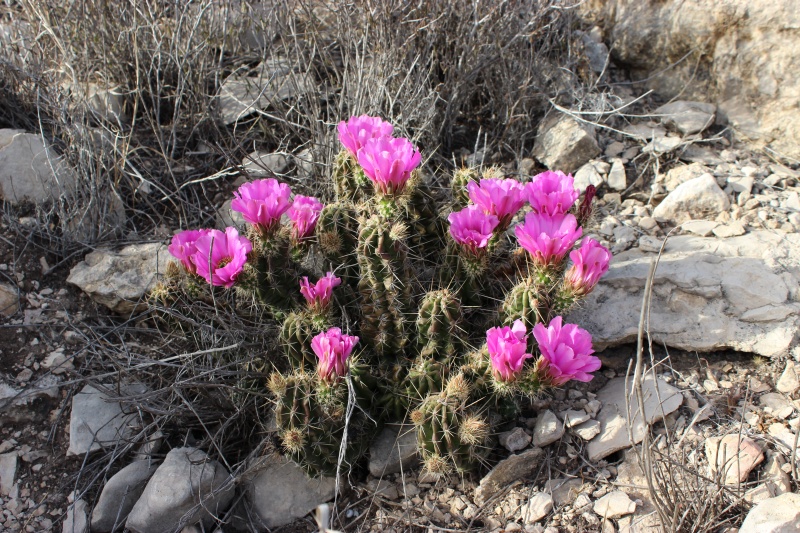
(227,217)
(26,169)
(77,519)
(245,92)
(648,223)
(662,145)
(687,117)
(565,144)
(613,417)
(383,488)
(775,515)
(538,507)
(588,430)
(394,450)
(596,51)
(9,300)
(789,381)
(25,405)
(97,420)
(563,490)
(784,436)
(186,489)
(120,494)
(281,492)
(774,481)
(617,179)
(696,198)
(645,132)
(57,362)
(732,458)
(680,174)
(698,154)
(703,228)
(776,405)
(120,280)
(708,294)
(514,440)
(731,229)
(8,469)
(587,175)
(573,418)
(264,164)
(548,429)
(614,505)
(507,471)
(741,184)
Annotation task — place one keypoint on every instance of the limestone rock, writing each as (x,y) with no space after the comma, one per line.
(264,164)
(687,117)
(703,228)
(732,229)
(394,450)
(732,458)
(538,507)
(26,169)
(77,520)
(187,488)
(514,440)
(617,179)
(587,175)
(565,144)
(507,471)
(8,469)
(9,301)
(588,430)
(120,280)
(120,494)
(563,490)
(613,416)
(789,381)
(548,429)
(281,492)
(696,198)
(574,417)
(228,217)
(614,505)
(775,515)
(774,481)
(776,405)
(708,294)
(97,421)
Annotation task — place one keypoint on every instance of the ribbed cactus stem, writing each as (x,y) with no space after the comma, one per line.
(349,180)
(438,323)
(525,301)
(337,235)
(462,177)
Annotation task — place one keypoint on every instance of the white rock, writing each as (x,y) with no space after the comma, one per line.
(774,481)
(613,416)
(97,421)
(565,144)
(687,117)
(26,169)
(264,164)
(662,145)
(514,440)
(8,469)
(696,198)
(614,505)
(731,229)
(703,228)
(789,381)
(741,183)
(648,223)
(645,132)
(732,458)
(777,405)
(77,520)
(507,471)
(574,417)
(617,179)
(393,450)
(548,429)
(587,175)
(538,507)
(119,495)
(588,430)
(775,515)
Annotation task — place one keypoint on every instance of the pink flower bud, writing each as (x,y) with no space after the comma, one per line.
(319,295)
(304,213)
(589,263)
(333,349)
(552,193)
(499,197)
(548,238)
(388,163)
(262,202)
(220,257)
(354,133)
(507,347)
(183,247)
(566,352)
(472,227)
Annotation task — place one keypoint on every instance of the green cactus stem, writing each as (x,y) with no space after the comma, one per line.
(527,302)
(337,234)
(349,180)
(461,178)
(296,333)
(438,325)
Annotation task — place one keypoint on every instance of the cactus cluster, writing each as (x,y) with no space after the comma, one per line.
(452,310)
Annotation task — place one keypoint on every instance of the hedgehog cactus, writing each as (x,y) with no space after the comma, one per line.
(450,359)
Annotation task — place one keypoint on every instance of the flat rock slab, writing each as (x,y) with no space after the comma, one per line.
(565,144)
(548,429)
(26,169)
(775,515)
(708,294)
(660,399)
(97,420)
(120,494)
(8,471)
(120,280)
(697,198)
(394,450)
(507,471)
(732,457)
(614,505)
(687,117)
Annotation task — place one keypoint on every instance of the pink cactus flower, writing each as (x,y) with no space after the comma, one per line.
(566,352)
(548,238)
(304,213)
(472,227)
(507,346)
(319,295)
(183,247)
(333,349)
(355,133)
(499,197)
(589,263)
(221,256)
(552,193)
(262,202)
(388,163)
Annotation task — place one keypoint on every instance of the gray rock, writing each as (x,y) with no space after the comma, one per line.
(574,417)
(26,169)
(587,175)
(383,488)
(227,217)
(614,505)
(596,51)
(703,228)
(732,458)
(187,488)
(696,198)
(120,494)
(563,490)
(565,144)
(662,145)
(245,92)
(264,164)
(9,300)
(617,179)
(776,405)
(8,469)
(77,519)
(588,430)
(548,429)
(24,405)
(614,419)
(394,450)
(120,280)
(789,381)
(514,440)
(97,421)
(775,515)
(708,294)
(687,117)
(281,492)
(538,507)
(645,132)
(507,471)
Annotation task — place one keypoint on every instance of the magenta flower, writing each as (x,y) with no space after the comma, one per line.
(499,197)
(472,228)
(507,346)
(319,295)
(355,133)
(262,202)
(220,256)
(333,349)
(388,162)
(548,238)
(183,247)
(552,193)
(304,213)
(566,352)
(589,263)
